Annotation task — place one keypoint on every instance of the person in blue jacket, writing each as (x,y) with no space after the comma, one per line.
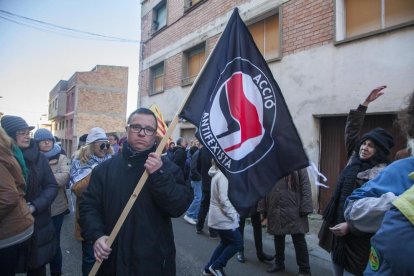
(392,247)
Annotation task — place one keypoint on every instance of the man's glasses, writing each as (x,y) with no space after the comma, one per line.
(149,131)
(23,133)
(104,145)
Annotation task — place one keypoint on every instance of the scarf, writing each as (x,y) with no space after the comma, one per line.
(134,156)
(18,154)
(53,152)
(80,170)
(345,184)
(334,213)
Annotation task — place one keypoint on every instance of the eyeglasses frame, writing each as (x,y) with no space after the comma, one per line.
(131,127)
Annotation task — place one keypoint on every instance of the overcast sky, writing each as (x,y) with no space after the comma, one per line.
(32,61)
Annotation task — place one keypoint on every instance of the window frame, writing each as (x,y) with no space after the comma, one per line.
(263,17)
(340,25)
(189,5)
(155,28)
(186,79)
(152,78)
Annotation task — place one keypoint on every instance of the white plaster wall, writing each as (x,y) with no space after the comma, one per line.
(330,80)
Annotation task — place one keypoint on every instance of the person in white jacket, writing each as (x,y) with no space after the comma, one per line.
(224,218)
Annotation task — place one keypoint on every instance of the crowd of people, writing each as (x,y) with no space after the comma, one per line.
(373,201)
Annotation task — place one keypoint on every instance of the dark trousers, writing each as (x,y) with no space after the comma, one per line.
(9,257)
(88,257)
(41,271)
(301,251)
(56,263)
(14,258)
(231,242)
(257,231)
(202,213)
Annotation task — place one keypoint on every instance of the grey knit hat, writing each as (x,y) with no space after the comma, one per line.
(43,134)
(96,134)
(11,124)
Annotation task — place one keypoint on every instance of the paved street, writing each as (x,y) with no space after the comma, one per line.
(193,251)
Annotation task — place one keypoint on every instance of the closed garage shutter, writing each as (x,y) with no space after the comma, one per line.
(333,154)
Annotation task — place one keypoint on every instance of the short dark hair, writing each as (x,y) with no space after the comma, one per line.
(115,136)
(143,110)
(180,140)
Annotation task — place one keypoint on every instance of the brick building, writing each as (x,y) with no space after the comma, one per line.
(326,56)
(97,98)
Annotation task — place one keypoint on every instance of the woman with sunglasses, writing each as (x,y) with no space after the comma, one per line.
(96,150)
(59,164)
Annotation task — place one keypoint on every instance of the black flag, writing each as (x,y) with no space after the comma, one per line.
(242,117)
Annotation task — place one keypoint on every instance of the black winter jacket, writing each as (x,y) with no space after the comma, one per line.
(180,155)
(204,165)
(194,170)
(42,190)
(145,243)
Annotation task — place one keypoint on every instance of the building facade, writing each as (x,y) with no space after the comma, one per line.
(326,56)
(97,98)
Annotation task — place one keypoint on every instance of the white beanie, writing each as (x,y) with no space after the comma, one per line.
(96,134)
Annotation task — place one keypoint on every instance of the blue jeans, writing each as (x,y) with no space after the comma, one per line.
(192,211)
(56,263)
(88,258)
(231,242)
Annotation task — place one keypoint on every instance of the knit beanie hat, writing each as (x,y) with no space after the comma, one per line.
(11,124)
(96,134)
(381,138)
(43,134)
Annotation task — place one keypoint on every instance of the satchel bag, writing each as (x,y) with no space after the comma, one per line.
(325,236)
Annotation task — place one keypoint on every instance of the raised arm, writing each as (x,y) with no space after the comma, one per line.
(356,118)
(374,94)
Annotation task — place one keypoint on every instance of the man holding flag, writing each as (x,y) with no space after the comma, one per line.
(242,117)
(145,244)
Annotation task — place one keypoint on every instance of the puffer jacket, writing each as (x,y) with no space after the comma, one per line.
(222,214)
(60,168)
(42,190)
(288,204)
(15,217)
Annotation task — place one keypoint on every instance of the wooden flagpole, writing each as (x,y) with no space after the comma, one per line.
(145,175)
